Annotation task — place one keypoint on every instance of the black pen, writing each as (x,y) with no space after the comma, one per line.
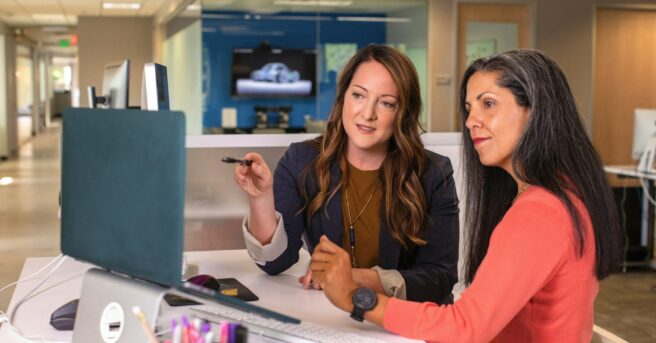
(243,162)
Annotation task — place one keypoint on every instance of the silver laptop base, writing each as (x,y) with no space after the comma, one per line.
(105,313)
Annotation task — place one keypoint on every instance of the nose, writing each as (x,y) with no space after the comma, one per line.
(368,113)
(473,121)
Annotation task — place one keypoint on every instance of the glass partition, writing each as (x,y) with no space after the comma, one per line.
(272,66)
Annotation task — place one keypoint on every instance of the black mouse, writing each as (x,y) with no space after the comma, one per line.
(64,317)
(206,281)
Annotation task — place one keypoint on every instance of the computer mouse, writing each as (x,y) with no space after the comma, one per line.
(206,281)
(63,318)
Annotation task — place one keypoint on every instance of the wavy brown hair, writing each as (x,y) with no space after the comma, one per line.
(403,168)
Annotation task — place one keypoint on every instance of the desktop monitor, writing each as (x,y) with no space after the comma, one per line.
(116,85)
(644,137)
(154,88)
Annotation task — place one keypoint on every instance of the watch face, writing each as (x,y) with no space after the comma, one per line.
(365,299)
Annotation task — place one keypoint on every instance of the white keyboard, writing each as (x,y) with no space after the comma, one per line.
(301,333)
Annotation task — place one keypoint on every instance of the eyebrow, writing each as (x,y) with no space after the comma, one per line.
(382,95)
(481,95)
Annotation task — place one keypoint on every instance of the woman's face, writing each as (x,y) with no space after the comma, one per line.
(495,120)
(370,106)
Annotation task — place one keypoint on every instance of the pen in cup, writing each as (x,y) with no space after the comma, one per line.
(144,324)
(243,162)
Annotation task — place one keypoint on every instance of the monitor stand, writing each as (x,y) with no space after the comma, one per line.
(105,313)
(647,158)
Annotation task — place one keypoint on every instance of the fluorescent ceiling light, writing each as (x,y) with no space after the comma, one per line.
(48,16)
(7,180)
(121,6)
(375,19)
(193,7)
(328,3)
(55,29)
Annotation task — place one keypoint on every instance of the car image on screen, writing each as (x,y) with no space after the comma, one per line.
(275,72)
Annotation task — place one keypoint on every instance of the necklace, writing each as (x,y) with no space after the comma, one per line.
(521,190)
(354,263)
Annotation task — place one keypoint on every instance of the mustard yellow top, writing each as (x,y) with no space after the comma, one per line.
(362,184)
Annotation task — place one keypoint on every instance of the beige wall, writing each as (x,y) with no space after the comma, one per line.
(442,78)
(8,112)
(182,57)
(565,32)
(108,39)
(564,29)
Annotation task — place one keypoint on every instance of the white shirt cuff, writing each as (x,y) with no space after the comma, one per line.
(262,254)
(392,281)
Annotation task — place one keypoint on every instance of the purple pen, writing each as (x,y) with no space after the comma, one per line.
(204,330)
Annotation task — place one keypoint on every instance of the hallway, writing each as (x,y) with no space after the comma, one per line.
(28,206)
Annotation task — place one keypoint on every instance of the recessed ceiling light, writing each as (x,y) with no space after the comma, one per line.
(328,3)
(7,180)
(121,6)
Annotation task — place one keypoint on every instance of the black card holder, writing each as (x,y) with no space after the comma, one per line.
(229,286)
(232,287)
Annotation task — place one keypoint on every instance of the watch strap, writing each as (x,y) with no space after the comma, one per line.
(357,313)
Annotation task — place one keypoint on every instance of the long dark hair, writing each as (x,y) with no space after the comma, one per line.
(554,152)
(402,170)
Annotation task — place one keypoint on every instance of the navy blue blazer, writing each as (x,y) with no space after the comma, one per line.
(429,271)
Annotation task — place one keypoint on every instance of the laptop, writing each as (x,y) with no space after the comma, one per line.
(123,177)
(123,186)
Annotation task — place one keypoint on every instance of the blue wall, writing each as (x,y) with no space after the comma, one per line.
(230,30)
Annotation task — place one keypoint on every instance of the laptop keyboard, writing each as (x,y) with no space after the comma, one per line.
(301,333)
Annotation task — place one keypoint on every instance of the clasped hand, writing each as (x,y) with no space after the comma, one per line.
(331,270)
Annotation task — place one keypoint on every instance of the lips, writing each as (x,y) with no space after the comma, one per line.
(479,140)
(365,128)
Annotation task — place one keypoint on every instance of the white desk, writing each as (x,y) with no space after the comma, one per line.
(280,293)
(647,226)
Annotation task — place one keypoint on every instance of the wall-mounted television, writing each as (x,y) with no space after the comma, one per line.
(274,72)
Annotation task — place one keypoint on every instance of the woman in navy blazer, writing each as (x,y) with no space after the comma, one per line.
(374,125)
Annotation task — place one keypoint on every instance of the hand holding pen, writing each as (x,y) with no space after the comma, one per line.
(255,177)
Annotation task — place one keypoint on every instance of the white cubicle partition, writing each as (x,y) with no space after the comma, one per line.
(215,205)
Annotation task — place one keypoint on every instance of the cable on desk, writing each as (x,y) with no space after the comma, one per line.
(13,311)
(8,332)
(33,274)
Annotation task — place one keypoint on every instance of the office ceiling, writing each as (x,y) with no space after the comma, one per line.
(48,22)
(25,13)
(273,6)
(22,13)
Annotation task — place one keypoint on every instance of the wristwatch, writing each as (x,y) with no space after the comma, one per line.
(364,299)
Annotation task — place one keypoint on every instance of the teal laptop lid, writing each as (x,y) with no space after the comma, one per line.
(123,191)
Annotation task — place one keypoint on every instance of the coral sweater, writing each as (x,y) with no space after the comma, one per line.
(531,286)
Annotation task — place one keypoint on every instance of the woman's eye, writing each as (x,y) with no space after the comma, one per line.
(388,105)
(357,95)
(488,103)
